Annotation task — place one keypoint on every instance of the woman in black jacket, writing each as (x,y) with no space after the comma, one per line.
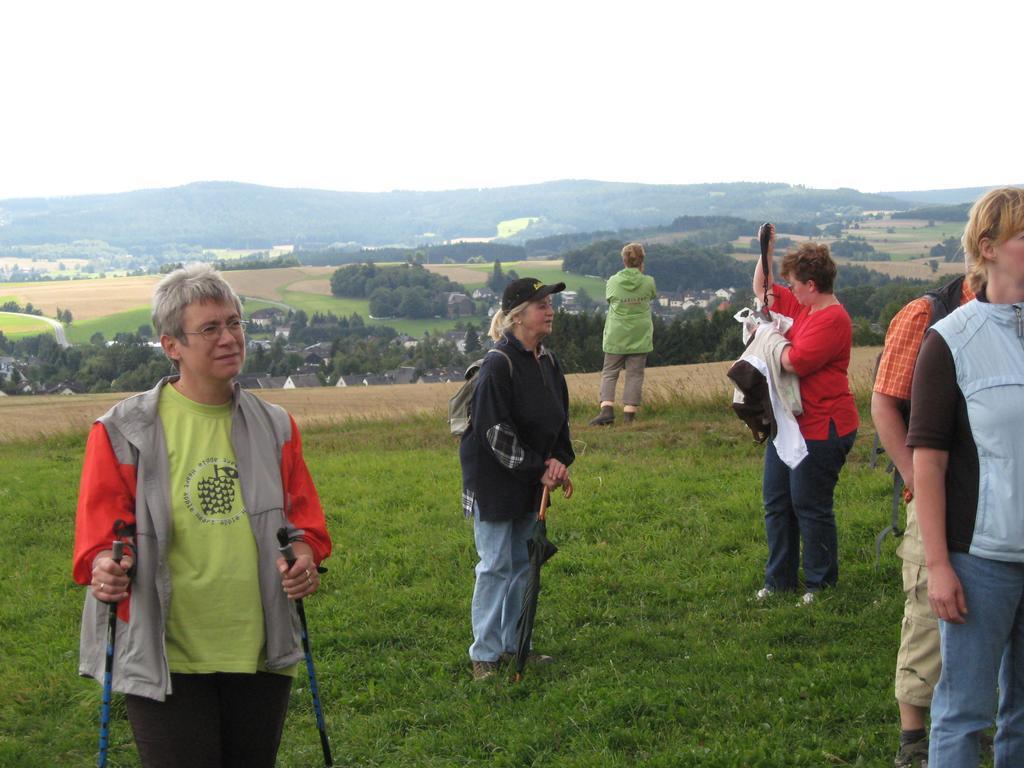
(517,442)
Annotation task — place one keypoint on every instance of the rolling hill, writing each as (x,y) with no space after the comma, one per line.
(229,214)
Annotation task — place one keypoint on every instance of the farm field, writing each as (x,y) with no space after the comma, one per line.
(87,299)
(511,227)
(15,326)
(549,271)
(40,416)
(663,657)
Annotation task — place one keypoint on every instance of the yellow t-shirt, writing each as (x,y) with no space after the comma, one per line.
(216,616)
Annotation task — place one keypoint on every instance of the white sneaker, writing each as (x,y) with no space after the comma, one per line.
(807,599)
(763,594)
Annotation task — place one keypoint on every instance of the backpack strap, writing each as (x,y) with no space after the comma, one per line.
(945,299)
(505,355)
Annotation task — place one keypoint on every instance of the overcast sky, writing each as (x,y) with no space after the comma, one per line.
(108,96)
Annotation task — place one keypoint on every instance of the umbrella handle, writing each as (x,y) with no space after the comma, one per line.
(567,489)
(545,501)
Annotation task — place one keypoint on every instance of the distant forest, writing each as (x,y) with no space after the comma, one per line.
(232,215)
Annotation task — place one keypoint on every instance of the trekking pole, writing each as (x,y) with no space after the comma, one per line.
(764,236)
(289,555)
(117,550)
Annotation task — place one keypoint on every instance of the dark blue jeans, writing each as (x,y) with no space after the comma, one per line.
(798,506)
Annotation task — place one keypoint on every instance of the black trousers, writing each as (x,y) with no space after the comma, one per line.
(220,720)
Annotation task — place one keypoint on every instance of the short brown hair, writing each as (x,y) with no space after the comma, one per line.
(810,261)
(633,255)
(997,216)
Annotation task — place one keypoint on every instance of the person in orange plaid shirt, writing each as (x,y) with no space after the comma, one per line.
(918,662)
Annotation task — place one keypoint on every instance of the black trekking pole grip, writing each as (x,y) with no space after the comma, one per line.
(288,553)
(764,236)
(116,553)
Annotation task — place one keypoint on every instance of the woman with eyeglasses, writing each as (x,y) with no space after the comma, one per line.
(196,476)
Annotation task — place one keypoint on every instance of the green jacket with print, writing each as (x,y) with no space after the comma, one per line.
(628,329)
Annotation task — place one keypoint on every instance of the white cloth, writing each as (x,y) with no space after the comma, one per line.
(765,354)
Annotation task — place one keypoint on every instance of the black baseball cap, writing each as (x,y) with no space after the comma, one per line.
(527,289)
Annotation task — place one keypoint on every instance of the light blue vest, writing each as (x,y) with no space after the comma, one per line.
(987,344)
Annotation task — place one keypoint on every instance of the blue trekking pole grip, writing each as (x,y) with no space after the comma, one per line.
(117,550)
(288,554)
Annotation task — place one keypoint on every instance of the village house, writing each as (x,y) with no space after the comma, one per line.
(267,317)
(484,294)
(253,380)
(302,380)
(459,305)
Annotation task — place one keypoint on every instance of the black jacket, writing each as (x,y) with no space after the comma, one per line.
(519,418)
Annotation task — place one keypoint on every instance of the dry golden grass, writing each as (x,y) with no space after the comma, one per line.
(28,417)
(87,299)
(321,287)
(264,283)
(458,273)
(90,299)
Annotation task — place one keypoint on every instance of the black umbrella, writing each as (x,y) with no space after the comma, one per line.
(541,550)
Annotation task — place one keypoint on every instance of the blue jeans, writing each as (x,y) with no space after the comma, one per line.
(798,505)
(965,698)
(501,577)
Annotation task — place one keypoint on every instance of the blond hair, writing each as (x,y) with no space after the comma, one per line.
(996,216)
(503,321)
(633,255)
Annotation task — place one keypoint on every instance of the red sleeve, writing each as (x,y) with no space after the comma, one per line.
(106,494)
(822,338)
(785,302)
(303,503)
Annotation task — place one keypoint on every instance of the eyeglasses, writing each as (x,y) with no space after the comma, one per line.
(213,331)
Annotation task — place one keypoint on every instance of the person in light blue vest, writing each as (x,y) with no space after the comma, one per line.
(966,427)
(628,335)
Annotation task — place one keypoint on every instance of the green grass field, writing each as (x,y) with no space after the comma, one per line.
(511,227)
(109,325)
(663,658)
(15,326)
(542,271)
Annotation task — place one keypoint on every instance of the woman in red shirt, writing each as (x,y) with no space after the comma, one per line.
(798,502)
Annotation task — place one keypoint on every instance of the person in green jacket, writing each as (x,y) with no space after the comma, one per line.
(628,334)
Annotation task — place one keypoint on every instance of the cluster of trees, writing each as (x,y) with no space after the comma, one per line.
(454,253)
(856,248)
(407,290)
(129,366)
(937,213)
(13,306)
(682,266)
(498,279)
(260,260)
(949,249)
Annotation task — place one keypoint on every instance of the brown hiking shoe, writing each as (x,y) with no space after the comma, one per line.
(605,417)
(484,669)
(629,417)
(913,755)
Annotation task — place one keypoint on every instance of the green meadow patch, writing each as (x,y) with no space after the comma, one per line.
(79,332)
(663,657)
(15,326)
(510,227)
